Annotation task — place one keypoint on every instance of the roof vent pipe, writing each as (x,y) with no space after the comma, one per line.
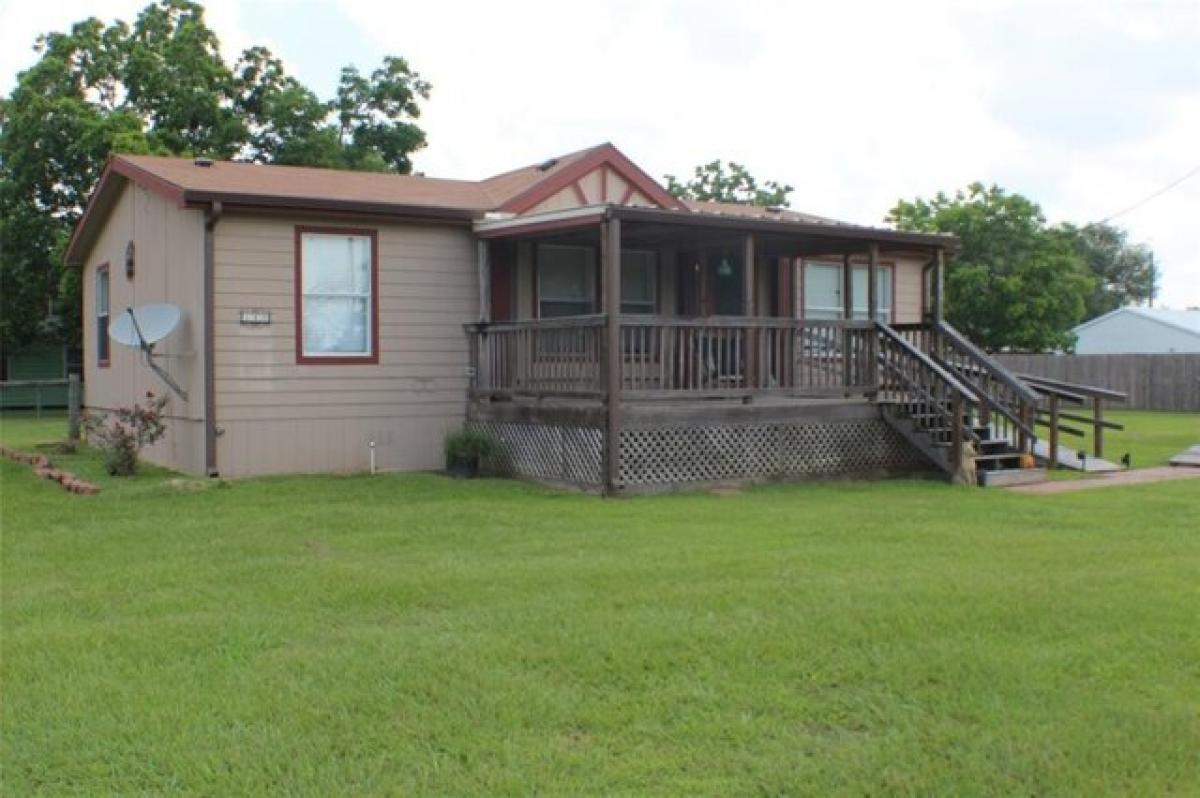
(204,162)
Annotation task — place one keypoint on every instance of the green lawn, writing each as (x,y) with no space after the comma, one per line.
(414,634)
(1150,438)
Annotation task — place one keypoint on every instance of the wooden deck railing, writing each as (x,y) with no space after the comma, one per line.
(675,358)
(734,356)
(1007,404)
(939,403)
(543,357)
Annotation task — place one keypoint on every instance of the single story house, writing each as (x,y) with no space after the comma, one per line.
(1137,330)
(609,335)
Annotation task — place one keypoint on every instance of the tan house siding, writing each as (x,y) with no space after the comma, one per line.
(909,289)
(279,416)
(169,253)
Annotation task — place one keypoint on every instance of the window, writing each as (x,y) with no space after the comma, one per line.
(337,314)
(823,291)
(102,340)
(639,282)
(883,292)
(566,281)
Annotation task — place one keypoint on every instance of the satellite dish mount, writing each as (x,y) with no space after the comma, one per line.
(162,321)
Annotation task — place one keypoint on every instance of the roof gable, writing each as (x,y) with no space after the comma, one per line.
(569,173)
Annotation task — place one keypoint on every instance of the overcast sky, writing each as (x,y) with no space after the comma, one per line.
(1087,107)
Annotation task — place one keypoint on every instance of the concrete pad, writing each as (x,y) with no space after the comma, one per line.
(1133,477)
(1068,458)
(1188,457)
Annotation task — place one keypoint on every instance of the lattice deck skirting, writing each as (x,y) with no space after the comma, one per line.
(554,453)
(676,456)
(664,456)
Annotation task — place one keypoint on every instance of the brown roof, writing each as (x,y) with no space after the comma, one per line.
(755,212)
(506,185)
(190,182)
(256,181)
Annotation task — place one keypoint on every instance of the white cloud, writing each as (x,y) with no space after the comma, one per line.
(1084,108)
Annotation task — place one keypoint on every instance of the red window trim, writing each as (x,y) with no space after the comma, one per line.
(105,362)
(372,358)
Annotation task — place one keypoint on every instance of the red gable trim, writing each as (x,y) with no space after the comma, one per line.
(604,155)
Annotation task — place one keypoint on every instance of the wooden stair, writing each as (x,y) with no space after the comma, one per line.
(964,412)
(990,459)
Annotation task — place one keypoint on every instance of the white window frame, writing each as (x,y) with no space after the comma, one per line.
(103,289)
(370,353)
(885,274)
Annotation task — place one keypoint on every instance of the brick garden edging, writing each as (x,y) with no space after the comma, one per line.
(45,469)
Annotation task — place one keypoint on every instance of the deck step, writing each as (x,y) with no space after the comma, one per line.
(1003,477)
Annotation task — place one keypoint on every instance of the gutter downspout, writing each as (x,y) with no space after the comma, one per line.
(211,216)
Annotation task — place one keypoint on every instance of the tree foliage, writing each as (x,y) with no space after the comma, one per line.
(712,181)
(1016,283)
(161,86)
(1123,273)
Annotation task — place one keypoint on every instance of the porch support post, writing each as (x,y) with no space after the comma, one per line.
(872,282)
(610,260)
(847,315)
(939,284)
(872,365)
(847,288)
(748,282)
(485,280)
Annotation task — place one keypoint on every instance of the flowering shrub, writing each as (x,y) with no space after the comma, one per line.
(123,433)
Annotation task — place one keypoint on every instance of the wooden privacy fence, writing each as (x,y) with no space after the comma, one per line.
(1152,382)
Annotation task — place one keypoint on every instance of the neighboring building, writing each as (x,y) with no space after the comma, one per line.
(36,363)
(326,311)
(1139,331)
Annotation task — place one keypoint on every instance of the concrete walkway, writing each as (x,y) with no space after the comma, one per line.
(1134,477)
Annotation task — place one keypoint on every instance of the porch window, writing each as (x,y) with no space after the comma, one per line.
(102,314)
(566,281)
(883,292)
(823,291)
(336,275)
(639,282)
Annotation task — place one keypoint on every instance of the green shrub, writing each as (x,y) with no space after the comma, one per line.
(468,448)
(122,433)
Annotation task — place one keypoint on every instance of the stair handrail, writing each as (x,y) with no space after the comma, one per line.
(989,363)
(928,362)
(960,396)
(1026,399)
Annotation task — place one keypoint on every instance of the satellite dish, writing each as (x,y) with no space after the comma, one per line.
(145,325)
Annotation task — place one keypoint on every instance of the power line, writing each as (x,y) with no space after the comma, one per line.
(1147,198)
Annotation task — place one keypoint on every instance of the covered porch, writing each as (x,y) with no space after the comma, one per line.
(625,349)
(697,306)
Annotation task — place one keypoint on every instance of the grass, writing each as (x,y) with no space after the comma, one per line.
(1151,438)
(409,633)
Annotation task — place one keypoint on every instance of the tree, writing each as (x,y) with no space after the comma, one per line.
(161,86)
(712,182)
(1015,284)
(1124,273)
